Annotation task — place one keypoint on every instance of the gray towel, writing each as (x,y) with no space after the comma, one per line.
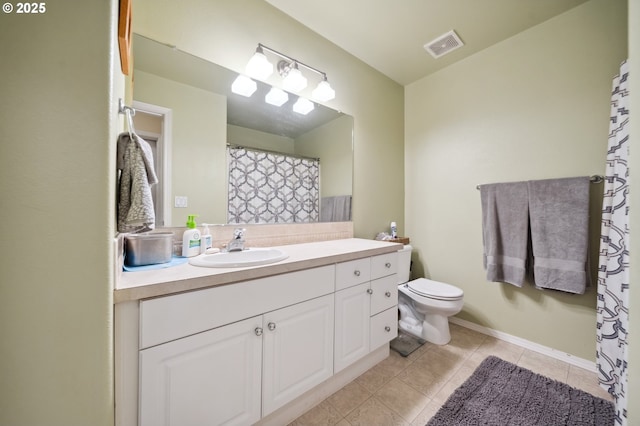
(135,202)
(505,231)
(559,210)
(335,209)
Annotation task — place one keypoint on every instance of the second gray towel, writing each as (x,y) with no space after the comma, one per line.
(559,215)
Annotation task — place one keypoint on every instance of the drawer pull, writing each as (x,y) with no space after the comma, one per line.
(272,326)
(356,273)
(369,291)
(387,265)
(387,328)
(258,331)
(388,294)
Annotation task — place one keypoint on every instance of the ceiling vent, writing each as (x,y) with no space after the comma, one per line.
(444,44)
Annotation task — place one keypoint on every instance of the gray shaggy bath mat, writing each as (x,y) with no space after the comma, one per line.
(500,393)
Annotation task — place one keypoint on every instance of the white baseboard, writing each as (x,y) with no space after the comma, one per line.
(545,350)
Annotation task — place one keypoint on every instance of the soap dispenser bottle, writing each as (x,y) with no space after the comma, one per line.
(191,238)
(206,240)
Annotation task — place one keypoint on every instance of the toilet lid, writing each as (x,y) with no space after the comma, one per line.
(435,289)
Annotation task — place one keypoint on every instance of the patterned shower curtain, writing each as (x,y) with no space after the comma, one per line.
(613,270)
(267,187)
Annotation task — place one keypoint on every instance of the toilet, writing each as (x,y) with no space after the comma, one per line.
(425,305)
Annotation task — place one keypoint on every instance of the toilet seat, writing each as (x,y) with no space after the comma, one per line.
(435,289)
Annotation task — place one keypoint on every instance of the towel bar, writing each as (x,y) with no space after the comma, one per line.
(593,179)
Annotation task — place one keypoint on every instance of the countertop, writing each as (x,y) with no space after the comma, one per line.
(160,282)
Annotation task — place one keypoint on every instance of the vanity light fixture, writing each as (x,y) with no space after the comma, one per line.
(244,86)
(260,68)
(303,106)
(276,97)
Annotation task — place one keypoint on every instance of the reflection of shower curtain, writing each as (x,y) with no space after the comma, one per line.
(267,187)
(613,271)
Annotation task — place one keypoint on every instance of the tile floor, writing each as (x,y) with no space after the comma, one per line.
(408,391)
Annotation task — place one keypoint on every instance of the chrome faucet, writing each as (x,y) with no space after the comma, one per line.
(237,242)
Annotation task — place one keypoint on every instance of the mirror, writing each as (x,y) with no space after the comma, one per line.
(195,116)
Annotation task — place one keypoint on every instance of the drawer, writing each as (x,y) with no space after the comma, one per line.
(384,327)
(384,293)
(383,265)
(168,318)
(352,273)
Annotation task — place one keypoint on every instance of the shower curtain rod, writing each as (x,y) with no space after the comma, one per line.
(593,179)
(272,152)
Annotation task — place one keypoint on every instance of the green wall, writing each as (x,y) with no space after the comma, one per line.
(58,126)
(534,106)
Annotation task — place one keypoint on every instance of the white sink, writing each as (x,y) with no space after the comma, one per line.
(239,259)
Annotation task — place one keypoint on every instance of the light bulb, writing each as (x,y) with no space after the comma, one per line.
(276,97)
(323,92)
(294,80)
(244,86)
(259,66)
(303,106)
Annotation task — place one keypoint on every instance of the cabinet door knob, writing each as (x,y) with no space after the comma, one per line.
(258,331)
(272,326)
(387,265)
(387,328)
(356,273)
(388,294)
(369,291)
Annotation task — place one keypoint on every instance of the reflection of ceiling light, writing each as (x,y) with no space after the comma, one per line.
(244,86)
(259,66)
(276,97)
(323,92)
(303,106)
(293,80)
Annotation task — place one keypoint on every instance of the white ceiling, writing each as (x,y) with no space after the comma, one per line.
(389,35)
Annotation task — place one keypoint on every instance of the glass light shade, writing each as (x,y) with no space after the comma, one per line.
(294,81)
(276,97)
(323,92)
(303,106)
(244,86)
(259,66)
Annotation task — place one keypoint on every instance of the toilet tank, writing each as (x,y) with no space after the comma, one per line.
(404,264)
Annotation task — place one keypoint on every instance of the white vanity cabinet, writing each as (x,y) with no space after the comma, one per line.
(247,347)
(366,302)
(237,373)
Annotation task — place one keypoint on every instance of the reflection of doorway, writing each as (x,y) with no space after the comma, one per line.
(153,124)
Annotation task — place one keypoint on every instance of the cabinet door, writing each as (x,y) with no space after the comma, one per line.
(384,293)
(205,379)
(352,325)
(298,351)
(384,327)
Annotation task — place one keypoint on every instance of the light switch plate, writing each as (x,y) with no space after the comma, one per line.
(181,201)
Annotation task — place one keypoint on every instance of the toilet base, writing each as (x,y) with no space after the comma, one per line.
(435,329)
